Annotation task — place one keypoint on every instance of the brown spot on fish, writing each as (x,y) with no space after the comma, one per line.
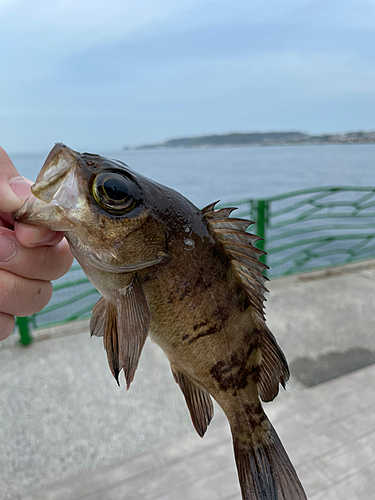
(254,372)
(255,409)
(185,337)
(202,323)
(210,331)
(221,314)
(180,293)
(236,372)
(221,372)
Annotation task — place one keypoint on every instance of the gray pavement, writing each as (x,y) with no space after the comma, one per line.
(63,418)
(328,430)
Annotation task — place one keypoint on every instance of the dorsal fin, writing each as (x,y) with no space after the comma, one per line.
(209,207)
(238,245)
(231,234)
(218,214)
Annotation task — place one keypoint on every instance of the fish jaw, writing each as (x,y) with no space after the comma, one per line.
(62,201)
(55,195)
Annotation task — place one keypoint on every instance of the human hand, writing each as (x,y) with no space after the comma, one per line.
(30,256)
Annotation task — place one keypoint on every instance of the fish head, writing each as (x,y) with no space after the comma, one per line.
(104,209)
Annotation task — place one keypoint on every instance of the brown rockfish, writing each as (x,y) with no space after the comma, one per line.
(189,278)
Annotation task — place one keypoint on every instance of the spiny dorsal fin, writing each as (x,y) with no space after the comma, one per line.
(218,214)
(239,247)
(133,319)
(209,207)
(198,401)
(231,234)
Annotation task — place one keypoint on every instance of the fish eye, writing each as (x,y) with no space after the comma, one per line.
(114,193)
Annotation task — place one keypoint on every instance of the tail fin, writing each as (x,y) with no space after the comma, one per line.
(265,471)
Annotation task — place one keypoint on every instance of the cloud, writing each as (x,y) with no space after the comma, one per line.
(173,68)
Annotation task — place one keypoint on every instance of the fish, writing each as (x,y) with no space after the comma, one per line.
(189,278)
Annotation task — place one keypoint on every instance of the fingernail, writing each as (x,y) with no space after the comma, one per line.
(7,249)
(20,187)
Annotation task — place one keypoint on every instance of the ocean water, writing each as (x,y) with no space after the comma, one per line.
(229,174)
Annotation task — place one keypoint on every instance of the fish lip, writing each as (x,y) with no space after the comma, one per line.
(59,163)
(32,212)
(46,205)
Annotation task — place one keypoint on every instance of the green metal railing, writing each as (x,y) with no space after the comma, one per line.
(73,298)
(302,231)
(316,228)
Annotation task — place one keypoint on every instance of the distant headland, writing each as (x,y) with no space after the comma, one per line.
(261,139)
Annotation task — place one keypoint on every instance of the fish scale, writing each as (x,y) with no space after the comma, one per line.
(189,278)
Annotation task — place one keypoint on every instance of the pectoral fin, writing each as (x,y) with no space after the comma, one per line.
(198,401)
(124,328)
(133,322)
(111,340)
(98,315)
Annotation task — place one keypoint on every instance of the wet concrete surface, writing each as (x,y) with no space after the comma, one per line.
(310,372)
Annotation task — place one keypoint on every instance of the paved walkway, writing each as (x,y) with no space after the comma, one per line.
(63,418)
(328,430)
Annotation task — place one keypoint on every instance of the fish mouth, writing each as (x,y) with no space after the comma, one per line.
(54,193)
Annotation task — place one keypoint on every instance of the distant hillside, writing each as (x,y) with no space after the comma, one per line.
(262,139)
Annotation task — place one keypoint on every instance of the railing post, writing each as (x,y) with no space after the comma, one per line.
(262,221)
(25,330)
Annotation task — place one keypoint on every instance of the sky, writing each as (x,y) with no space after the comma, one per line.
(99,75)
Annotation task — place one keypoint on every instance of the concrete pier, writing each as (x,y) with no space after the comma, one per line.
(68,432)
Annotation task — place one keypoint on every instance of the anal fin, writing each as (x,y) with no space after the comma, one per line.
(198,401)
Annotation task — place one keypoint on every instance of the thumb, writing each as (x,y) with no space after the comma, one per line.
(14,189)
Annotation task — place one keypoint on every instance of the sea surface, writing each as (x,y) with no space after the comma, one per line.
(229,174)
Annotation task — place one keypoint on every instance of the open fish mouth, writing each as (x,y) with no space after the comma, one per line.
(55,192)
